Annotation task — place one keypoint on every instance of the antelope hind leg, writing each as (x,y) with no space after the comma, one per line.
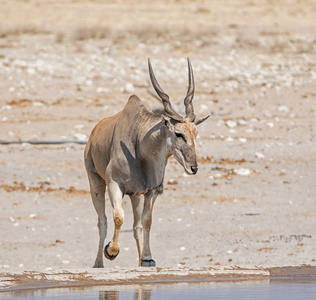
(150,199)
(138,207)
(97,189)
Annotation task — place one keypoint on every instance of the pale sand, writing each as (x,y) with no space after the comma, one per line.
(253,199)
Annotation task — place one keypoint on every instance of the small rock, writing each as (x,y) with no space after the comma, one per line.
(229,139)
(79,126)
(283,108)
(242,172)
(102,90)
(172,182)
(38,104)
(89,82)
(6,107)
(129,88)
(203,107)
(66,262)
(259,155)
(242,122)
(231,124)
(80,136)
(31,71)
(5,266)
(267,114)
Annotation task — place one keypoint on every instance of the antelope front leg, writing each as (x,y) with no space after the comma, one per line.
(112,249)
(138,207)
(150,199)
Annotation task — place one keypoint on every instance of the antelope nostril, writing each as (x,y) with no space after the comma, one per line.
(194,170)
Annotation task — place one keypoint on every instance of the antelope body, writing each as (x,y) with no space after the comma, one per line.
(128,153)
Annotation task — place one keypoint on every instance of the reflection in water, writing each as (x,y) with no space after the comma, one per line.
(136,292)
(109,295)
(140,293)
(256,290)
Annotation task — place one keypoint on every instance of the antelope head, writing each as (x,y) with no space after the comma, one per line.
(181,130)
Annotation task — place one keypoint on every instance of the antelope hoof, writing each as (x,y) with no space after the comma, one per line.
(96,265)
(148,263)
(107,255)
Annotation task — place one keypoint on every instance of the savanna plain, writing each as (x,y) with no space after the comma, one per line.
(64,65)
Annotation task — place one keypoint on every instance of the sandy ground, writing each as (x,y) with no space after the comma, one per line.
(28,281)
(64,66)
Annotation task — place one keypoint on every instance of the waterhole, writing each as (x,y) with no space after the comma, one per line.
(256,290)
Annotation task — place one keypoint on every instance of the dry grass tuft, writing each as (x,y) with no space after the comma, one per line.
(94,32)
(20,186)
(146,33)
(222,199)
(6,31)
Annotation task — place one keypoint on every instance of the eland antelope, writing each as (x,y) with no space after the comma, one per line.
(128,153)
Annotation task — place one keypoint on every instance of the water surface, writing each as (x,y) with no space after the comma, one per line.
(257,290)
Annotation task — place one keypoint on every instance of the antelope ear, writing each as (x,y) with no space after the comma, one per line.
(167,122)
(201,120)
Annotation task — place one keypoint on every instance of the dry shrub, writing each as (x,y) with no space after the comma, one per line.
(94,32)
(6,31)
(21,187)
(136,33)
(221,161)
(145,33)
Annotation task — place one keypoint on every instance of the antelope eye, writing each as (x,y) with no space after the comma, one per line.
(179,135)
